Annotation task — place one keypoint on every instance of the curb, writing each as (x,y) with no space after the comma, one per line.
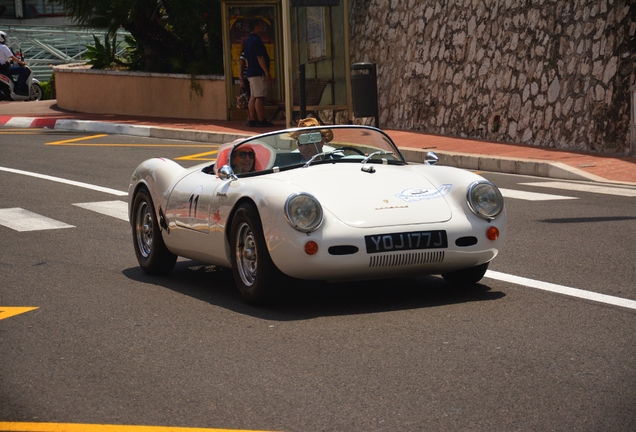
(474,162)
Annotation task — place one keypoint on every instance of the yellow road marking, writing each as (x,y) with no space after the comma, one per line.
(133,145)
(19,132)
(77,139)
(8,312)
(199,156)
(75,427)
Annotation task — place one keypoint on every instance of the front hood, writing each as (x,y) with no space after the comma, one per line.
(392,195)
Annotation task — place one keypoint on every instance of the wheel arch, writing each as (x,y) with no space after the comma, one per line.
(243,200)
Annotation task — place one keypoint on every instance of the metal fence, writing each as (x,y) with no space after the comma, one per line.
(45,47)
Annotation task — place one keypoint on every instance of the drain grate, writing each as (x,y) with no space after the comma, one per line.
(406,259)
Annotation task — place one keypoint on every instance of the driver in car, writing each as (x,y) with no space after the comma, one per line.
(308,150)
(243,160)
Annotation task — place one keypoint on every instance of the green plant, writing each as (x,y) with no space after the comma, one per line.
(133,53)
(102,56)
(169,35)
(46,90)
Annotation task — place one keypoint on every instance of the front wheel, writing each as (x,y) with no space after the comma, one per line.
(254,272)
(469,276)
(152,254)
(35,93)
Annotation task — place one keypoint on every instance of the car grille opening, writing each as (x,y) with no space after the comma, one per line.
(343,250)
(466,241)
(406,259)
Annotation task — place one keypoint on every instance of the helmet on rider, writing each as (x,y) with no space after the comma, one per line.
(3,37)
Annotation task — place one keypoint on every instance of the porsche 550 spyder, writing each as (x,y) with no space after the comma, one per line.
(331,203)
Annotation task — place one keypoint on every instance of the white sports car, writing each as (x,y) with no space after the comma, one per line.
(330,203)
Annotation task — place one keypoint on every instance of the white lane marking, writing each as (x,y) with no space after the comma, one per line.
(560,289)
(23,220)
(116,209)
(65,181)
(581,187)
(532,196)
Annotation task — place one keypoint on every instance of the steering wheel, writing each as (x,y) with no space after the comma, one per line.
(353,149)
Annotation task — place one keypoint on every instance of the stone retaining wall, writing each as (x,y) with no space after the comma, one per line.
(550,73)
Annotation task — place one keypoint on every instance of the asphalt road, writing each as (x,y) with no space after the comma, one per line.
(108,344)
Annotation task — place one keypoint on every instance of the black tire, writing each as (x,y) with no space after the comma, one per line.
(255,274)
(465,277)
(152,253)
(35,93)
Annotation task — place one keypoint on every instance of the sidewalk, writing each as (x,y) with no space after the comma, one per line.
(463,153)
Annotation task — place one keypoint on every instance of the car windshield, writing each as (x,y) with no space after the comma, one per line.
(305,147)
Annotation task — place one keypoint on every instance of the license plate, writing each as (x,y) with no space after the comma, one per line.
(406,241)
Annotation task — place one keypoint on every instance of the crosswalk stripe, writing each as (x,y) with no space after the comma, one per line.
(532,196)
(117,209)
(22,220)
(582,187)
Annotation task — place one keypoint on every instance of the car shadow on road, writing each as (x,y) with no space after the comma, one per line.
(303,300)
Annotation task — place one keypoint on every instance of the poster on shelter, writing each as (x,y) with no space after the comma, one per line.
(316,34)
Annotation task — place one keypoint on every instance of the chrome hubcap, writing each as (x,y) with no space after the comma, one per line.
(245,251)
(143,229)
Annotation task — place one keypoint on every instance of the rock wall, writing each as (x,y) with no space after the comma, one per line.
(549,73)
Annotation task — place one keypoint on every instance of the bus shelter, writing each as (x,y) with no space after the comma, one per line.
(308,45)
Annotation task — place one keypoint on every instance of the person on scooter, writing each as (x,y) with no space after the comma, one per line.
(6,69)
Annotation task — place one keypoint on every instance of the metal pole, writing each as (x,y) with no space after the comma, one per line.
(347,61)
(303,98)
(633,122)
(287,61)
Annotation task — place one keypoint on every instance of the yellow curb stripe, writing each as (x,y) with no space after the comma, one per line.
(21,133)
(76,427)
(176,146)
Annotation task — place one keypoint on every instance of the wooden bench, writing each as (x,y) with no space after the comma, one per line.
(314,88)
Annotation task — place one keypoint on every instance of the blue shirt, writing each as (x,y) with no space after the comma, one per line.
(254,48)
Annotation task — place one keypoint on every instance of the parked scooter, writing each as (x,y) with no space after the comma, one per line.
(7,88)
(8,83)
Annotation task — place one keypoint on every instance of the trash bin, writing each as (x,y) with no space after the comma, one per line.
(364,89)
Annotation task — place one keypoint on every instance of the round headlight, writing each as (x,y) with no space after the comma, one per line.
(303,212)
(484,199)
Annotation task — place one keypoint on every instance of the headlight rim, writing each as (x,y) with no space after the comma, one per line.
(319,219)
(473,207)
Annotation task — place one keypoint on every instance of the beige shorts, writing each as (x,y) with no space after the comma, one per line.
(258,86)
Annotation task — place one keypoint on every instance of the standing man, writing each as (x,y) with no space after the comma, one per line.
(257,73)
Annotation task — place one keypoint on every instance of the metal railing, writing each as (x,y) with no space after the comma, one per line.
(45,47)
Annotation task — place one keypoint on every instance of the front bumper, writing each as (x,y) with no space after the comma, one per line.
(342,252)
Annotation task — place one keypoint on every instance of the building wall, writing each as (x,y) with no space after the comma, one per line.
(552,73)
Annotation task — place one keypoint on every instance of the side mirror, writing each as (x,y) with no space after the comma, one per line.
(226,172)
(431,158)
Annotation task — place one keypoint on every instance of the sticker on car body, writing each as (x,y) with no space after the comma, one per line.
(422,194)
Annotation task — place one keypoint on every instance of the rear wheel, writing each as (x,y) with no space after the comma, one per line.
(152,254)
(254,272)
(469,276)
